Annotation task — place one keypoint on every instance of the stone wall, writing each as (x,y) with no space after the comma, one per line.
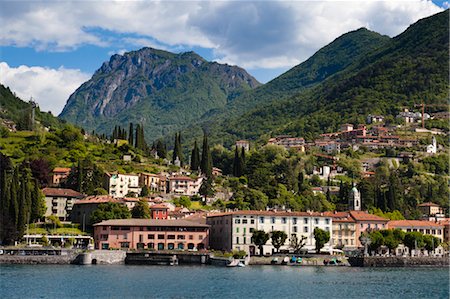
(38,259)
(398,261)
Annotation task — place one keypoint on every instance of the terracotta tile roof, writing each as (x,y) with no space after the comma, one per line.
(428,204)
(96,199)
(412,223)
(60,192)
(340,216)
(180,178)
(158,206)
(61,169)
(364,216)
(268,213)
(152,222)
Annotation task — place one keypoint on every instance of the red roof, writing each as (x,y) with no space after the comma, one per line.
(95,199)
(428,204)
(60,192)
(364,216)
(268,213)
(158,206)
(412,223)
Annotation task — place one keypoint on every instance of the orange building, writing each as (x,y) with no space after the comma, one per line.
(159,211)
(60,175)
(154,234)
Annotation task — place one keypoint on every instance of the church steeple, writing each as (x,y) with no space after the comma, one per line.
(354,200)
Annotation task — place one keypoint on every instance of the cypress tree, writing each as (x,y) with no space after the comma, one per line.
(37,203)
(131,135)
(242,161)
(195,157)
(14,206)
(237,171)
(180,150)
(175,148)
(137,140)
(206,163)
(161,149)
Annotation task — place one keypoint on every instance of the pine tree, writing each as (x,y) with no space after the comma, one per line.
(195,157)
(206,162)
(161,149)
(180,149)
(175,149)
(131,135)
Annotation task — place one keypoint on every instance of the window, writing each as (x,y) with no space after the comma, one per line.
(376,225)
(191,237)
(180,246)
(141,238)
(170,246)
(180,237)
(237,230)
(171,237)
(261,219)
(245,239)
(244,221)
(237,240)
(272,220)
(316,220)
(327,221)
(362,225)
(305,229)
(124,244)
(252,229)
(284,220)
(245,230)
(294,229)
(151,237)
(327,229)
(237,221)
(252,221)
(200,237)
(151,245)
(160,246)
(305,220)
(294,220)
(368,225)
(104,237)
(125,236)
(104,228)
(160,237)
(105,246)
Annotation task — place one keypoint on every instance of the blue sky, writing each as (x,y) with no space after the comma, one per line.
(48,48)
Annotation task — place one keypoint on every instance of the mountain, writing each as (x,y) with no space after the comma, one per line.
(161,90)
(405,70)
(19,112)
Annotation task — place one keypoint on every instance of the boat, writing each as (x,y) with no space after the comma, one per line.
(236,263)
(274,261)
(285,260)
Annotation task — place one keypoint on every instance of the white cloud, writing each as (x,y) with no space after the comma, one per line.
(269,34)
(50,88)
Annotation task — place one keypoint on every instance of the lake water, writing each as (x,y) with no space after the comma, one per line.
(122,281)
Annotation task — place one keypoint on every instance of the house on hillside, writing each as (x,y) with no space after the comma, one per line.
(60,175)
(119,185)
(59,202)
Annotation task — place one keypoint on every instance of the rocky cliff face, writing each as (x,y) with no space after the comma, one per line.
(161,90)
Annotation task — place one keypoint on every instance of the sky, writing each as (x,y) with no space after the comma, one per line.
(49,48)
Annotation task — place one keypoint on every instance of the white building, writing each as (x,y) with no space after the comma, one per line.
(432,148)
(119,185)
(184,185)
(233,230)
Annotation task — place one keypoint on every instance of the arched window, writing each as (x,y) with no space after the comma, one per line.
(170,246)
(180,246)
(160,246)
(191,246)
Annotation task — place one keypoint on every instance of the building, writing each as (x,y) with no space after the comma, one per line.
(374,118)
(423,226)
(432,148)
(365,221)
(354,200)
(346,127)
(82,209)
(60,175)
(431,210)
(159,211)
(151,180)
(152,234)
(184,185)
(59,202)
(289,142)
(121,185)
(446,224)
(233,230)
(243,144)
(344,230)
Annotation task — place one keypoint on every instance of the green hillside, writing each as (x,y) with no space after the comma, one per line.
(411,68)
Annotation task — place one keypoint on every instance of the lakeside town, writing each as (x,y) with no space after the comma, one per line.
(169,212)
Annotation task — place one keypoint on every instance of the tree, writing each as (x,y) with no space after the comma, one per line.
(321,236)
(237,165)
(206,162)
(145,191)
(413,240)
(41,170)
(141,210)
(297,244)
(260,238)
(100,191)
(431,242)
(161,149)
(110,210)
(195,157)
(206,189)
(184,201)
(38,207)
(278,239)
(131,135)
(177,151)
(377,240)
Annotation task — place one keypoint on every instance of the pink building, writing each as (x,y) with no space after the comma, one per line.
(60,175)
(365,221)
(153,234)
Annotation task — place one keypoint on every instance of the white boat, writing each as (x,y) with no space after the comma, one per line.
(236,263)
